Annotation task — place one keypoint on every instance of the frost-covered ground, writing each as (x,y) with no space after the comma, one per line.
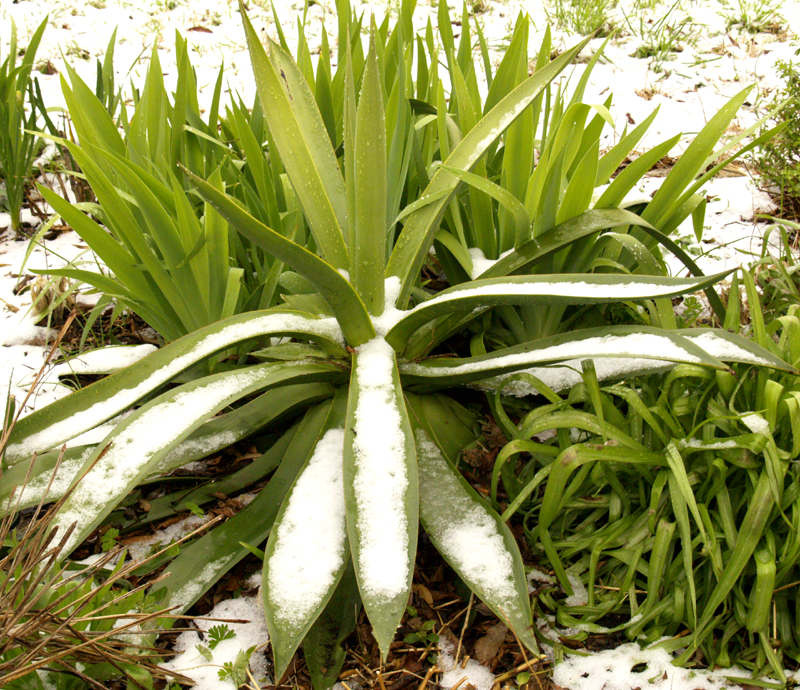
(714,64)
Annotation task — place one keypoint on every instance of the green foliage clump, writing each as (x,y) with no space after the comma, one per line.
(337,198)
(69,626)
(676,504)
(18,146)
(779,159)
(582,18)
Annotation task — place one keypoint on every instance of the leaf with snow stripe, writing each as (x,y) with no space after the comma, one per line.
(307,549)
(200,564)
(84,409)
(718,343)
(141,441)
(590,288)
(473,539)
(380,488)
(610,341)
(732,347)
(212,436)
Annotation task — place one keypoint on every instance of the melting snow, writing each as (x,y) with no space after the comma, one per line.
(204,672)
(310,545)
(755,422)
(459,674)
(381,480)
(613,669)
(391,314)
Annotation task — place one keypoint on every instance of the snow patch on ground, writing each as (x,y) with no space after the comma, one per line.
(205,673)
(456,673)
(629,667)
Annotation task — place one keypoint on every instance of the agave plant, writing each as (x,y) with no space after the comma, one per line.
(356,473)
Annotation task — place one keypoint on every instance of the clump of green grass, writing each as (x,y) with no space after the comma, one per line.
(18,147)
(779,159)
(756,16)
(662,38)
(675,499)
(582,17)
(78,626)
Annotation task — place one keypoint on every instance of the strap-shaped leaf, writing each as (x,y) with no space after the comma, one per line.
(323,644)
(368,256)
(84,409)
(473,539)
(202,563)
(622,342)
(380,488)
(299,132)
(591,288)
(142,440)
(732,347)
(718,343)
(413,244)
(332,285)
(307,549)
(526,255)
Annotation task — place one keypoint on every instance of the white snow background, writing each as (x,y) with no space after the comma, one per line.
(714,65)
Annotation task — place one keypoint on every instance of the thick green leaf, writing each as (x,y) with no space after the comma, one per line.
(560,237)
(322,645)
(202,563)
(593,288)
(621,342)
(368,256)
(90,406)
(473,539)
(307,550)
(380,481)
(303,143)
(140,442)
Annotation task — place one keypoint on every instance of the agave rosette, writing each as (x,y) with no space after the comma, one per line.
(359,471)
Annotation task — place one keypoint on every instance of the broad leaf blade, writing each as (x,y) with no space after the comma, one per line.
(84,409)
(593,288)
(380,488)
(302,140)
(369,253)
(307,549)
(473,539)
(621,342)
(203,562)
(142,440)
